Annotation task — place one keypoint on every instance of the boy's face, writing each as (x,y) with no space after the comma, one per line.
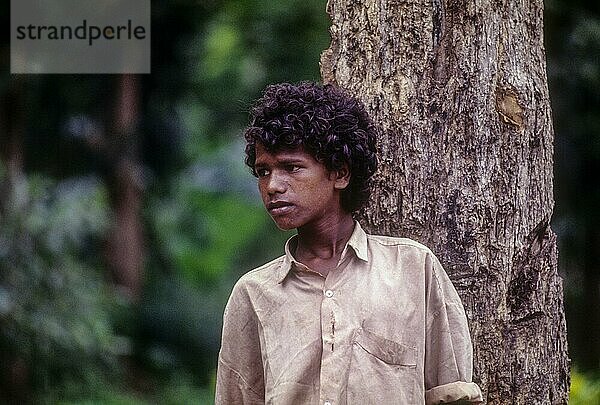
(296,189)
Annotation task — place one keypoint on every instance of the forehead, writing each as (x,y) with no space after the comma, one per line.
(299,154)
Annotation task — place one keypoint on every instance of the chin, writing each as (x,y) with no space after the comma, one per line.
(285,224)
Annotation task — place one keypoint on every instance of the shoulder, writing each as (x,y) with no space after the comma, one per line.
(265,272)
(409,254)
(257,291)
(402,243)
(395,241)
(259,277)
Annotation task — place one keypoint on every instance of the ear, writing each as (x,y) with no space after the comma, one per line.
(342,177)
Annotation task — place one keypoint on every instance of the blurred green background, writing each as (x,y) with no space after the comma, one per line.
(122,235)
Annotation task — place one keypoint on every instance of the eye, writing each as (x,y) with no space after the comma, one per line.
(261,172)
(292,168)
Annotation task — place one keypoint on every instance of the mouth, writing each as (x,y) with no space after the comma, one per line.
(279,207)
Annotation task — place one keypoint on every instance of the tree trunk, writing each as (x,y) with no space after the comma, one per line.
(12,132)
(125,240)
(459,91)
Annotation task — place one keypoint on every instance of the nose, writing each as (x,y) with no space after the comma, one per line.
(275,184)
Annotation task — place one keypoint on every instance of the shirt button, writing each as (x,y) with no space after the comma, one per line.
(328,294)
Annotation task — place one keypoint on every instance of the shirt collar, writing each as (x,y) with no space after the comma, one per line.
(357,241)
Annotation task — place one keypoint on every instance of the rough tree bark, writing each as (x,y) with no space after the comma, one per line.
(459,91)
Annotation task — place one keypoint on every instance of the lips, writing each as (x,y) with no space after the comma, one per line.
(279,207)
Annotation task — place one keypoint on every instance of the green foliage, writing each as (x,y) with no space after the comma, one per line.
(180,328)
(200,230)
(55,311)
(208,213)
(242,47)
(180,389)
(204,221)
(585,389)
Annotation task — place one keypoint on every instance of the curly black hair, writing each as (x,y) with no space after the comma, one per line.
(328,123)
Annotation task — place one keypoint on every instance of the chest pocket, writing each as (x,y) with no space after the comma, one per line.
(381,371)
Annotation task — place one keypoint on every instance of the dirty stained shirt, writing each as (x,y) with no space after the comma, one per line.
(385,326)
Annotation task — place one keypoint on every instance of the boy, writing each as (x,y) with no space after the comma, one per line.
(343,317)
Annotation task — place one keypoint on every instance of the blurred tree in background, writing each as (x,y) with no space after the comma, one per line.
(573,49)
(122,230)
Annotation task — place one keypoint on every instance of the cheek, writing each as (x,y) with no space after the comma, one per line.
(261,188)
(315,192)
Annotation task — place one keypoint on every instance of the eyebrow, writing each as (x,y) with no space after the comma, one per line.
(282,161)
(290,160)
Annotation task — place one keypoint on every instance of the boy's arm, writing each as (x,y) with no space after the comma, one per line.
(240,370)
(448,348)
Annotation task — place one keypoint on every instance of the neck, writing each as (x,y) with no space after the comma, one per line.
(325,240)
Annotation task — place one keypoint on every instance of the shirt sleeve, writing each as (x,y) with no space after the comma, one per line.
(448,348)
(240,370)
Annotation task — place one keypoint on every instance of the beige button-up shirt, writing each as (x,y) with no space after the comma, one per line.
(385,326)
